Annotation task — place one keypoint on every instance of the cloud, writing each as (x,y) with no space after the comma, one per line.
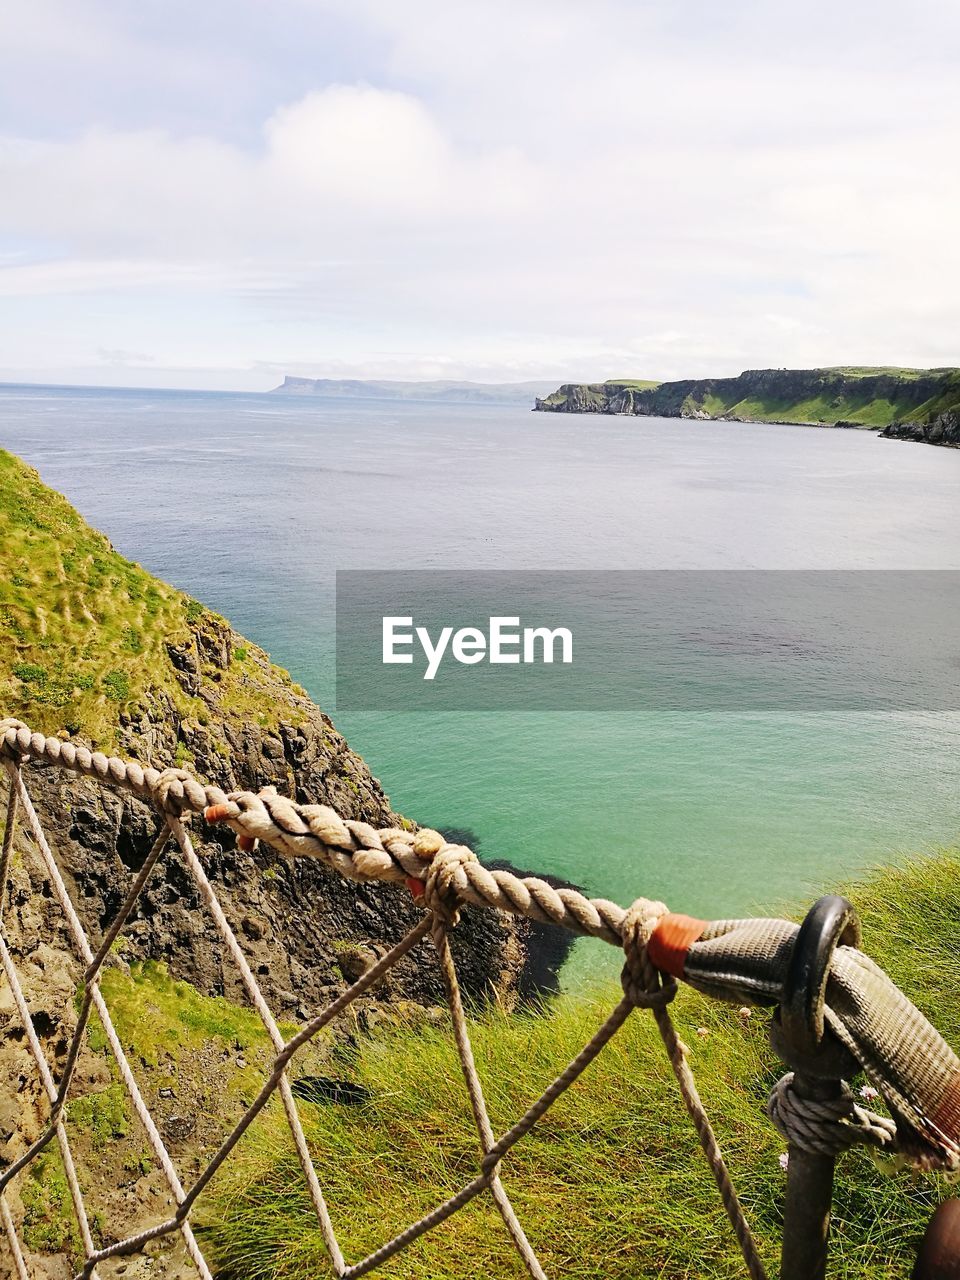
(344,153)
(670,189)
(361,146)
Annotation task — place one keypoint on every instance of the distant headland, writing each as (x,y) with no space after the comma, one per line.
(443,391)
(909,404)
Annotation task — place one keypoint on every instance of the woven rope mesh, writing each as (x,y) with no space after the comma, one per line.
(173,840)
(914,1068)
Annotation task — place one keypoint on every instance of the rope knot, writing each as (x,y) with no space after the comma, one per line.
(826,1126)
(173,792)
(644,984)
(445,882)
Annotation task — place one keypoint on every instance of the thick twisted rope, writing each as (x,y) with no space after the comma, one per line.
(355,849)
(444,876)
(442,873)
(426,863)
(827,1126)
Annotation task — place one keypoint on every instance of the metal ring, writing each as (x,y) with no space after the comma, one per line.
(829,923)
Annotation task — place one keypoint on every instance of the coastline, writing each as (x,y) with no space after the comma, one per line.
(915,404)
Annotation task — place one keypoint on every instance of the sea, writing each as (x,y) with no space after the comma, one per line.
(251,503)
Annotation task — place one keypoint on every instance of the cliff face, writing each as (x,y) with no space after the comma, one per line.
(93,646)
(304,929)
(825,397)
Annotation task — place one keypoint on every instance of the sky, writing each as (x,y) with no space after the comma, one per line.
(215,194)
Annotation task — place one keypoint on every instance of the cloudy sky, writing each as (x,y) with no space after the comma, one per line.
(213,193)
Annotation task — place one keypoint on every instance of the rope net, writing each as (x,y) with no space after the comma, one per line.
(442,877)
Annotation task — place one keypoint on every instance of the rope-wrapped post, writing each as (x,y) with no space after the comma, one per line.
(819,1065)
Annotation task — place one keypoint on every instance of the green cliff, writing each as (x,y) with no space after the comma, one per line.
(94,647)
(903,402)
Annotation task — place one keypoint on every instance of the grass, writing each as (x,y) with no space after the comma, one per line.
(161,1019)
(84,632)
(49,1225)
(104,1116)
(611,1182)
(847,405)
(824,408)
(886,371)
(633,384)
(79,624)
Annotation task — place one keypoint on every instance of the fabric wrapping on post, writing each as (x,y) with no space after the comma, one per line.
(745,961)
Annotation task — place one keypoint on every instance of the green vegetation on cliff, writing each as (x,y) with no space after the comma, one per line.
(612,1181)
(845,395)
(86,635)
(635,384)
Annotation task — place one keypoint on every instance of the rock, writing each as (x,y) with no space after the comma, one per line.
(255,927)
(186,664)
(178,1128)
(288,913)
(943,429)
(355,961)
(325,1089)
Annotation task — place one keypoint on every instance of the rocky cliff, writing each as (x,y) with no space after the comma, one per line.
(93,647)
(844,397)
(943,429)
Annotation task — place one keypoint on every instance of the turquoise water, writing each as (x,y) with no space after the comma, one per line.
(251,503)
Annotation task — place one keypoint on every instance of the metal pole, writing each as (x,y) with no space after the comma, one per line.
(819,1063)
(809,1198)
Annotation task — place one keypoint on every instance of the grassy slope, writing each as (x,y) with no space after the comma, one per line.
(634,384)
(612,1182)
(848,408)
(892,371)
(593,394)
(851,406)
(84,631)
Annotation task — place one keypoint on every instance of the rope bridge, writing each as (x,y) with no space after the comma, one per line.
(868,1022)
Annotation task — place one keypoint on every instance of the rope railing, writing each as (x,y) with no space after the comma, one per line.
(740,960)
